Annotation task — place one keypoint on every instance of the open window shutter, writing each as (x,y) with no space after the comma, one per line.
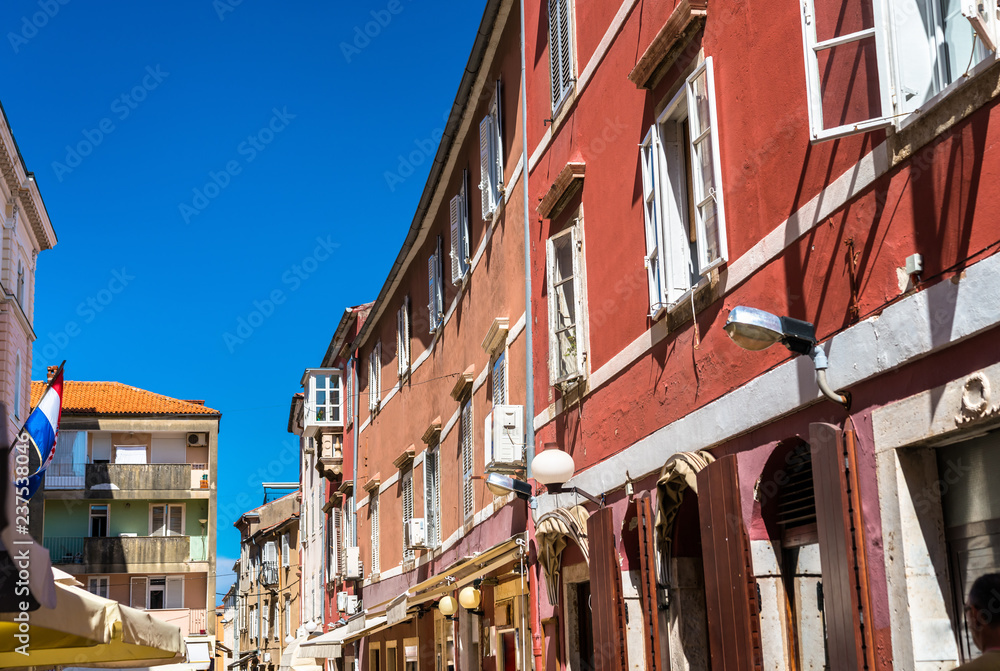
(468,461)
(464,226)
(730,588)
(176,523)
(457,247)
(378,373)
(983,21)
(432,293)
(439,283)
(550,270)
(647,582)
(485,165)
(651,213)
(497,114)
(842,547)
(847,68)
(581,352)
(706,164)
(607,603)
(137,598)
(400,369)
(554,67)
(159,517)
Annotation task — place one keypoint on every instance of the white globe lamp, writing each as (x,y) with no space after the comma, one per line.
(552,467)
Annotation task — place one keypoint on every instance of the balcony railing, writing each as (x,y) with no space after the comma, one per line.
(126,551)
(269,573)
(138,477)
(189,620)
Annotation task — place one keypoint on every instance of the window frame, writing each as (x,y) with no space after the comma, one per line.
(96,579)
(491,159)
(166,519)
(404,335)
(574,232)
(406,484)
(106,516)
(375,378)
(671,196)
(435,289)
(332,383)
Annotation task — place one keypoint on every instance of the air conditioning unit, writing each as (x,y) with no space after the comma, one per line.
(505,438)
(127,534)
(415,532)
(353,570)
(342,601)
(197,440)
(352,604)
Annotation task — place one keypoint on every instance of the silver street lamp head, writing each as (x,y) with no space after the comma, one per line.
(754,330)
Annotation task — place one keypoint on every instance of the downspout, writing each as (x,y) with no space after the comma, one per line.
(356,401)
(529,375)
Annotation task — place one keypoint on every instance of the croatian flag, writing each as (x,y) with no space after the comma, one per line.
(41,429)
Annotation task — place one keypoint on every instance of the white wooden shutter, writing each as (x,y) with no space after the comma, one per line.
(651,212)
(373,506)
(137,597)
(496,111)
(706,166)
(432,293)
(336,563)
(581,352)
(485,165)
(174,592)
(377,363)
(466,229)
(159,516)
(500,380)
(439,282)
(431,496)
(550,273)
(285,550)
(841,101)
(403,338)
(457,247)
(468,461)
(407,512)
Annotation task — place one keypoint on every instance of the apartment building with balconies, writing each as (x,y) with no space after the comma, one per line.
(130,499)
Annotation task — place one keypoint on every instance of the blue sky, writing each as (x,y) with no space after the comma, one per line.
(214,156)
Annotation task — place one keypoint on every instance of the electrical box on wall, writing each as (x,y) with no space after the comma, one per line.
(505,443)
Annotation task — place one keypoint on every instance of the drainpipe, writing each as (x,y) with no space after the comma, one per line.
(529,374)
(353,365)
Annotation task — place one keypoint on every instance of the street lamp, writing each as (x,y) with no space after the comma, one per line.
(552,468)
(310,626)
(756,330)
(501,485)
(448,606)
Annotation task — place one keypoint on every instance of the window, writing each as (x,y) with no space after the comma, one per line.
(254,622)
(461,254)
(265,621)
(491,157)
(349,407)
(682,192)
(336,527)
(326,398)
(560,51)
(98,585)
(373,512)
(165,592)
(375,377)
(17,385)
(403,335)
(566,351)
(285,550)
(408,554)
(435,290)
(99,521)
(166,519)
(909,50)
(468,461)
(348,533)
(130,454)
(272,615)
(499,375)
(432,496)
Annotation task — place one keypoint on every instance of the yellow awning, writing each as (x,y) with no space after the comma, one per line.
(87,630)
(550,535)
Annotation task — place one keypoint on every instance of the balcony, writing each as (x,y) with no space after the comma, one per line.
(138,477)
(324,400)
(123,554)
(190,620)
(269,573)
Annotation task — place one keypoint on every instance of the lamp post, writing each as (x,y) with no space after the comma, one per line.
(756,330)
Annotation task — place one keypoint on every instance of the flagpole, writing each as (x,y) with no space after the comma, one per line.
(48,385)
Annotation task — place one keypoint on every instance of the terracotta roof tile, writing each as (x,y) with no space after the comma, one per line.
(115,398)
